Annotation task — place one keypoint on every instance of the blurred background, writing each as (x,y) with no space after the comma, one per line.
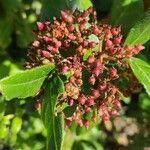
(20,125)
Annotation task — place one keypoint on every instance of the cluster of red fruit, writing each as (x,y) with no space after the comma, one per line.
(77,44)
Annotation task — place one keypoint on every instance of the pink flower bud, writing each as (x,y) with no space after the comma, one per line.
(102,86)
(46,54)
(92,80)
(71,102)
(58,44)
(118,40)
(72,79)
(47,39)
(85,43)
(71,28)
(108,44)
(96,71)
(117,103)
(91,59)
(115,31)
(138,48)
(95,93)
(86,123)
(94,118)
(113,73)
(66,16)
(64,69)
(92,44)
(97,63)
(114,112)
(40,26)
(81,100)
(80,122)
(96,30)
(90,102)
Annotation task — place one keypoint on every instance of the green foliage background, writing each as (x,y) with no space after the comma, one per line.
(21,127)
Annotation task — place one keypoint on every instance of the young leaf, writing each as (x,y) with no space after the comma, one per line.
(140,33)
(54,124)
(141,70)
(24,84)
(126,13)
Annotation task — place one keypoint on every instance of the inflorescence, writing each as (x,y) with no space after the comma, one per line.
(94,56)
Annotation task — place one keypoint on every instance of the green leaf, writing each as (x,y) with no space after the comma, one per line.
(24,84)
(140,33)
(126,13)
(141,70)
(53,123)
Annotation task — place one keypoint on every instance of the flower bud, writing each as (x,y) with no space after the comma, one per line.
(66,16)
(118,40)
(40,26)
(71,28)
(92,44)
(97,63)
(95,93)
(91,59)
(86,123)
(108,44)
(113,73)
(90,102)
(81,100)
(94,118)
(96,71)
(92,80)
(46,54)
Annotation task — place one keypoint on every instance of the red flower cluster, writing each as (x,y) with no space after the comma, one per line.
(93,55)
